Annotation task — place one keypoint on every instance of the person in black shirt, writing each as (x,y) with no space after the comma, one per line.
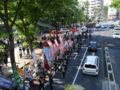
(51,81)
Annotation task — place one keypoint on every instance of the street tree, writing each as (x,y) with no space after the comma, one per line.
(8,13)
(115,4)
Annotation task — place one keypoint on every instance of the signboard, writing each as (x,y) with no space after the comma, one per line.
(5,83)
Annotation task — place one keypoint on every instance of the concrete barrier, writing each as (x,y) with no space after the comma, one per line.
(111,77)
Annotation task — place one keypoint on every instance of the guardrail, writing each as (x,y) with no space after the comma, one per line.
(111,77)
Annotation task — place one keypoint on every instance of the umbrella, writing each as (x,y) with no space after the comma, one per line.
(74,87)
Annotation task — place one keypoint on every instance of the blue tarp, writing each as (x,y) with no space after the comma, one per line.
(6,83)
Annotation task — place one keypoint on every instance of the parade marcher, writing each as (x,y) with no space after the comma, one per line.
(20,53)
(63,71)
(90,35)
(41,85)
(78,49)
(80,36)
(56,66)
(73,45)
(51,81)
(27,87)
(65,64)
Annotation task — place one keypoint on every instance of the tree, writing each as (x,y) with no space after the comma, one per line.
(115,4)
(105,12)
(96,12)
(8,13)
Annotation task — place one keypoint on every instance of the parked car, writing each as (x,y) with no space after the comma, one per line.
(97,25)
(117,28)
(56,32)
(111,26)
(103,26)
(91,65)
(116,35)
(92,46)
(64,29)
(84,29)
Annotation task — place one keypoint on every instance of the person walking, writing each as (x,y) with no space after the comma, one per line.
(51,81)
(27,51)
(41,85)
(65,64)
(5,60)
(20,52)
(23,48)
(56,66)
(1,69)
(90,35)
(78,49)
(63,71)
(18,42)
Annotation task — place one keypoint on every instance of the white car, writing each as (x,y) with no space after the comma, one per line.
(91,65)
(64,29)
(84,29)
(116,35)
(97,26)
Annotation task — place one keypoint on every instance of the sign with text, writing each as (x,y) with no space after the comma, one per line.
(5,83)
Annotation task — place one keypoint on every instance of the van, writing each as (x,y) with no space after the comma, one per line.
(91,65)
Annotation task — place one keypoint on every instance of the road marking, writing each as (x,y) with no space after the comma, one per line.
(79,67)
(75,56)
(87,47)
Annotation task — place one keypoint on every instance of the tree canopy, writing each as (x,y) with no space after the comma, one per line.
(115,4)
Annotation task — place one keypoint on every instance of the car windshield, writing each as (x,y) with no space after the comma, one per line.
(92,44)
(116,34)
(90,66)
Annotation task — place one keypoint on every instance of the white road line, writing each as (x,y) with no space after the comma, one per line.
(87,47)
(75,56)
(79,67)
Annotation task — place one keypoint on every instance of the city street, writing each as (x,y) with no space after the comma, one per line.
(74,73)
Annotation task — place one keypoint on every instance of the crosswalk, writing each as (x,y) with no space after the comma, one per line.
(101,29)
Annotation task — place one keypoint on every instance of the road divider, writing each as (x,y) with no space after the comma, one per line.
(112,85)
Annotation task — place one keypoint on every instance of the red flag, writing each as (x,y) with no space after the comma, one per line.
(46,63)
(45,44)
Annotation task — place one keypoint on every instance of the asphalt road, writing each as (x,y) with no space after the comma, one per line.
(88,81)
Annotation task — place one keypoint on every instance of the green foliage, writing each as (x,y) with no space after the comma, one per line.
(115,4)
(25,44)
(36,44)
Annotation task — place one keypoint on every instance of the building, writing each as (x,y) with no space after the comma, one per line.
(95,9)
(112,12)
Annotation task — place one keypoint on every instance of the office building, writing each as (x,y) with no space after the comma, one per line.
(95,8)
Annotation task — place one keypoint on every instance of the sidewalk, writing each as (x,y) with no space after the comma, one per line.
(7,71)
(19,61)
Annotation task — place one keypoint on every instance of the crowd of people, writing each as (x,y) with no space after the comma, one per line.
(64,61)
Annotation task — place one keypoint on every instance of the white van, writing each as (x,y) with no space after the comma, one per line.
(64,29)
(91,65)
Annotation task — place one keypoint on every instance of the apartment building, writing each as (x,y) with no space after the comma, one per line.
(112,12)
(95,8)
